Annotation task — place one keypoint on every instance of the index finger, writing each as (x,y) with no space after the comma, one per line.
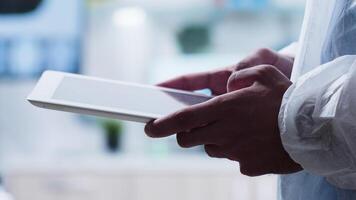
(187,119)
(214,80)
(189,82)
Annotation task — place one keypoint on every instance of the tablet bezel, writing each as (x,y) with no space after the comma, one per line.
(42,94)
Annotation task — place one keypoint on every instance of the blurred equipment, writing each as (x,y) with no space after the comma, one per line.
(247,4)
(194,39)
(18,6)
(36,35)
(113,131)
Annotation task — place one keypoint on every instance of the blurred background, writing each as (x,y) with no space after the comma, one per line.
(54,155)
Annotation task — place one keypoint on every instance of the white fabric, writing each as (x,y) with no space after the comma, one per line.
(318,121)
(317,20)
(318,113)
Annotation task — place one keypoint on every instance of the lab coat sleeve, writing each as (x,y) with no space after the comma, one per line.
(290,50)
(317,121)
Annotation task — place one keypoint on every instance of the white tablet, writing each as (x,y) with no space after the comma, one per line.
(108,98)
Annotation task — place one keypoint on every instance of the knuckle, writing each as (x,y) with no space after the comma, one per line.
(232,79)
(181,118)
(246,171)
(182,141)
(225,73)
(241,65)
(220,102)
(249,170)
(243,169)
(266,70)
(264,52)
(210,151)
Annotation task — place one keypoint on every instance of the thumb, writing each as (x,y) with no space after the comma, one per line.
(263,74)
(241,79)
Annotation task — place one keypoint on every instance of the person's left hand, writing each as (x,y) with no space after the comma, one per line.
(241,125)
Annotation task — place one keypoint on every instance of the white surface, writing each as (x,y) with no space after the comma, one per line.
(5,195)
(137,178)
(114,163)
(108,98)
(34,133)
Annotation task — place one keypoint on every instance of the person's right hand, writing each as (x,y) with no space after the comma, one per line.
(217,80)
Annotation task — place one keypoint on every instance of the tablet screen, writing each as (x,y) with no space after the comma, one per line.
(124,97)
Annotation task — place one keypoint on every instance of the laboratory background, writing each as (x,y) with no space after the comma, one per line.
(50,155)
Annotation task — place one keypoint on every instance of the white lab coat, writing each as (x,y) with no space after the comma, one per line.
(318,114)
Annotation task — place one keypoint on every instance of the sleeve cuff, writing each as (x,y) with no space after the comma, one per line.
(309,127)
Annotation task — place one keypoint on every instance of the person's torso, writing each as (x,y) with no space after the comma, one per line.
(331,34)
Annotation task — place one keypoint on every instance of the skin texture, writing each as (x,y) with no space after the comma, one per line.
(241,123)
(217,80)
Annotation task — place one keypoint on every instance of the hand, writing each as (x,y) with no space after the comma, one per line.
(217,80)
(241,125)
(265,56)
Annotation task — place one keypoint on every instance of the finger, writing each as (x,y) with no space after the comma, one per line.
(190,82)
(214,151)
(261,56)
(187,119)
(256,167)
(253,169)
(242,79)
(240,151)
(216,81)
(265,74)
(267,56)
(209,134)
